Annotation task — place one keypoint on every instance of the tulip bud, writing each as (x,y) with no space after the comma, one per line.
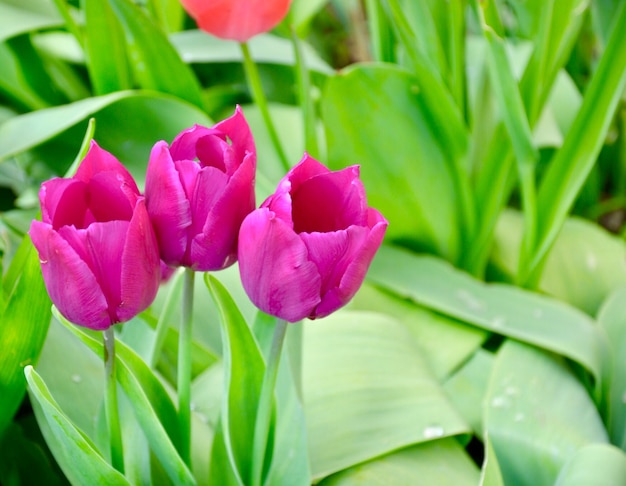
(199,190)
(306,250)
(237,19)
(98,252)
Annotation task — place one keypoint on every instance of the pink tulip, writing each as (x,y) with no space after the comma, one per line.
(305,251)
(196,207)
(237,19)
(98,253)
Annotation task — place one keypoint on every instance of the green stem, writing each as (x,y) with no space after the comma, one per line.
(110,403)
(256,88)
(184,367)
(264,411)
(303,78)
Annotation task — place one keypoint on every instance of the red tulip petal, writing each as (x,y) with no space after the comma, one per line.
(215,247)
(213,151)
(306,169)
(63,202)
(358,265)
(140,265)
(168,206)
(70,283)
(329,202)
(275,270)
(188,171)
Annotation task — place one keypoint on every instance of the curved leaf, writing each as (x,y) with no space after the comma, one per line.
(77,456)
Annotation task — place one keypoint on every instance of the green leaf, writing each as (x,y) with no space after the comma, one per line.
(597,464)
(151,404)
(537,412)
(23,326)
(441,462)
(155,63)
(79,459)
(490,472)
(429,329)
(573,162)
(144,116)
(466,389)
(402,179)
(503,309)
(105,47)
(18,17)
(583,268)
(367,391)
(244,369)
(612,319)
(302,11)
(197,46)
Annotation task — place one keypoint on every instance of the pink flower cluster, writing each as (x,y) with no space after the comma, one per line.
(102,245)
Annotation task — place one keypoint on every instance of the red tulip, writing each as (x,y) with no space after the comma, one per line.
(98,252)
(196,207)
(237,19)
(306,250)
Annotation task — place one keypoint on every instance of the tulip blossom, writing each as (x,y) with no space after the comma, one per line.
(305,251)
(98,252)
(199,190)
(237,19)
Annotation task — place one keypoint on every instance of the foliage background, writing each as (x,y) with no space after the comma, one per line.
(487,345)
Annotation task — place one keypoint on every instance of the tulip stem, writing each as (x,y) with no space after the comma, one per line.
(110,403)
(258,95)
(264,411)
(184,367)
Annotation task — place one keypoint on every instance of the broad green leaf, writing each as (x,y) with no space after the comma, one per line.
(428,328)
(105,46)
(402,179)
(74,374)
(499,308)
(612,318)
(367,391)
(244,369)
(151,404)
(490,472)
(155,63)
(24,320)
(537,413)
(19,16)
(197,46)
(597,464)
(573,162)
(440,462)
(79,459)
(466,389)
(582,269)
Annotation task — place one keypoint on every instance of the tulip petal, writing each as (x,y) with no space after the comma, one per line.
(236,128)
(70,283)
(359,262)
(216,245)
(329,202)
(184,145)
(215,152)
(63,202)
(168,206)
(109,199)
(275,270)
(140,265)
(98,160)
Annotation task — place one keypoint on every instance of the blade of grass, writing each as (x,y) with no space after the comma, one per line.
(572,163)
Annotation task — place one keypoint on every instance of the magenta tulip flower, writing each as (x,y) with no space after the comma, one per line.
(305,251)
(237,19)
(199,190)
(98,252)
